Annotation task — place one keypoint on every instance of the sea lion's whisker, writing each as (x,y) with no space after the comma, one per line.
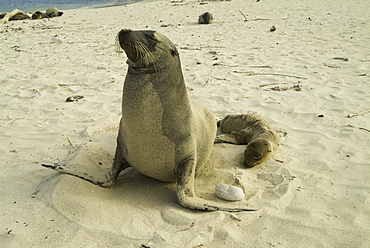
(117,45)
(148,58)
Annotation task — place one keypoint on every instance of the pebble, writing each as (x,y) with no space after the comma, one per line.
(74,98)
(229,192)
(56,40)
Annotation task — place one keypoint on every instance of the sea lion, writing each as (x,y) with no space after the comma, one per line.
(17,14)
(20,16)
(39,15)
(205,18)
(162,134)
(14,15)
(262,141)
(53,12)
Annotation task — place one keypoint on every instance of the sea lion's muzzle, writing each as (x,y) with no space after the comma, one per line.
(126,39)
(137,44)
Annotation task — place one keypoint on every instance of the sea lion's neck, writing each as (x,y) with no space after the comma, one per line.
(140,88)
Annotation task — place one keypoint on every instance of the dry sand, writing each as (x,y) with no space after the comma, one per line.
(313,193)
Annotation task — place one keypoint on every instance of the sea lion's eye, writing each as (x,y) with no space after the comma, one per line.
(257,156)
(174,52)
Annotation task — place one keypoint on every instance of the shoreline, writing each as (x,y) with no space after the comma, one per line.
(123,4)
(61,7)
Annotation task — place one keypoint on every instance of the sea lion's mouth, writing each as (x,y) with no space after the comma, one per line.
(137,45)
(249,165)
(128,40)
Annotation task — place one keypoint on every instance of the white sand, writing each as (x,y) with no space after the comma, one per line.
(314,193)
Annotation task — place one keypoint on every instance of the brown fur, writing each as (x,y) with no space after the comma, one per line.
(162,134)
(253,130)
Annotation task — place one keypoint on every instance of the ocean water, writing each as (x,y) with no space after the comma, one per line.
(33,5)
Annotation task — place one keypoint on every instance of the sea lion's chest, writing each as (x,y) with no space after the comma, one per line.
(148,150)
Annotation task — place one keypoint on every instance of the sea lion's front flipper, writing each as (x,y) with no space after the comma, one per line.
(226,138)
(186,189)
(240,137)
(89,164)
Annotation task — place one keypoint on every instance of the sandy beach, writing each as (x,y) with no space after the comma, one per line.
(309,78)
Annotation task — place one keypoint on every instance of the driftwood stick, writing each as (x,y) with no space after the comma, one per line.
(245,18)
(358,114)
(260,19)
(208,80)
(266,19)
(259,66)
(263,85)
(269,74)
(70,142)
(362,128)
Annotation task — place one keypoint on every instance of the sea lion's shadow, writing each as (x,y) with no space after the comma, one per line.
(133,190)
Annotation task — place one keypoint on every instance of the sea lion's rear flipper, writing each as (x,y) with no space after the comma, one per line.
(240,137)
(91,164)
(186,194)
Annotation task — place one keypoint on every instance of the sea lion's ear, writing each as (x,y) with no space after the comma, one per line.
(151,37)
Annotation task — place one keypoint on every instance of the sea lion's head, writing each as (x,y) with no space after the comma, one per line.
(37,15)
(148,51)
(257,151)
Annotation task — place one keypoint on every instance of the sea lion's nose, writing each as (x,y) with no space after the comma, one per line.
(127,39)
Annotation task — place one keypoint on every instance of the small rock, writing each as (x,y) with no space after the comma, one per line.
(340,58)
(272,29)
(205,18)
(74,98)
(166,25)
(56,40)
(229,192)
